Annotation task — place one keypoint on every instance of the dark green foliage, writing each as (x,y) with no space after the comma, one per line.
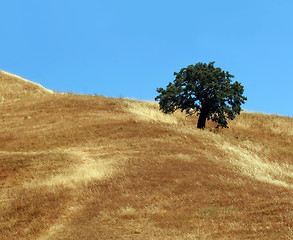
(205,90)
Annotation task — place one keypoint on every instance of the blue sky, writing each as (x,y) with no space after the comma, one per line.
(129,48)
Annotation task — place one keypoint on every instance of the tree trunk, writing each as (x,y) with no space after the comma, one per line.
(201,123)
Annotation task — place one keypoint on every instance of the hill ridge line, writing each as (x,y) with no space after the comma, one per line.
(18,78)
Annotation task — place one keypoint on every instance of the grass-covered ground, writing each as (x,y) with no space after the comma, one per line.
(90,167)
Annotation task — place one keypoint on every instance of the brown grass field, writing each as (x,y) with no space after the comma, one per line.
(89,167)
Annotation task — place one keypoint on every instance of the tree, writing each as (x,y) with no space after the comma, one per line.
(205,90)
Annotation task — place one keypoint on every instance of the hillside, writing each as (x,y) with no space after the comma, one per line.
(13,88)
(89,167)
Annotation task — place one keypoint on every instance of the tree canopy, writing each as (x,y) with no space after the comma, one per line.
(205,90)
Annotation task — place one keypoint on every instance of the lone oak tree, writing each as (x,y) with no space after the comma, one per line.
(205,90)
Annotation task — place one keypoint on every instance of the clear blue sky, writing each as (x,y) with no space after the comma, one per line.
(129,48)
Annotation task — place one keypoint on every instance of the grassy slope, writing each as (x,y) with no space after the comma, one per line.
(13,88)
(88,167)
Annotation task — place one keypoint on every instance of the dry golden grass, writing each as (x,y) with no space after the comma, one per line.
(13,88)
(258,167)
(87,167)
(148,111)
